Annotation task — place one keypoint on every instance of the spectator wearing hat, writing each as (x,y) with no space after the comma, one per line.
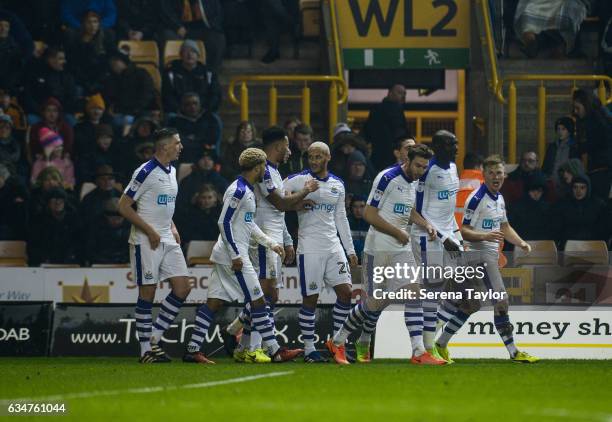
(54,156)
(356,180)
(345,143)
(198,20)
(107,236)
(105,152)
(72,12)
(581,217)
(53,119)
(13,206)
(92,203)
(10,149)
(359,227)
(567,172)
(560,150)
(49,78)
(199,130)
(531,215)
(128,91)
(54,237)
(203,173)
(187,74)
(85,130)
(134,147)
(89,48)
(197,220)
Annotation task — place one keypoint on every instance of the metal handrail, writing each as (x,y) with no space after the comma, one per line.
(287,78)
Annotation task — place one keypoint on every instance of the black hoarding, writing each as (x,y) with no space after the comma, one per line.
(110,330)
(25,328)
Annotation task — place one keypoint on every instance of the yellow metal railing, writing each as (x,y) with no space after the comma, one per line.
(496,84)
(337,92)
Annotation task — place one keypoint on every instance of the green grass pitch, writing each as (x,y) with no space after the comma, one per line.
(470,390)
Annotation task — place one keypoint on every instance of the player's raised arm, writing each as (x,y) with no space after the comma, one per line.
(291,202)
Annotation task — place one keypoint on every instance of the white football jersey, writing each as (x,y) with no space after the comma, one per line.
(236,223)
(436,198)
(269,219)
(154,188)
(485,212)
(393,193)
(320,225)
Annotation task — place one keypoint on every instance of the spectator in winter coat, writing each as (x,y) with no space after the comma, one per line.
(10,150)
(105,152)
(92,204)
(198,219)
(55,235)
(13,55)
(198,129)
(13,207)
(49,78)
(128,92)
(386,123)
(513,188)
(595,139)
(531,215)
(203,173)
(581,217)
(53,156)
(85,130)
(107,236)
(89,50)
(187,74)
(561,150)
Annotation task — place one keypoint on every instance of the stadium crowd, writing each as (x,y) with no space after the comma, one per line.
(75,111)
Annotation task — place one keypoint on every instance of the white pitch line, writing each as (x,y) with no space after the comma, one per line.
(144,390)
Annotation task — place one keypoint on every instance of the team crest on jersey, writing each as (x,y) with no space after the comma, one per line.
(378,194)
(148,275)
(312,286)
(272,272)
(469,214)
(334,190)
(256,291)
(421,187)
(135,186)
(269,184)
(234,202)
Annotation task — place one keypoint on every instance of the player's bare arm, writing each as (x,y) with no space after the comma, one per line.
(417,218)
(512,236)
(126,210)
(175,233)
(373,217)
(472,235)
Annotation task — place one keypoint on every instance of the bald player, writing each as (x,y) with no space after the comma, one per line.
(321,259)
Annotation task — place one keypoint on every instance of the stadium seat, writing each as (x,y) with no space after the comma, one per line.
(13,253)
(184,170)
(543,252)
(153,71)
(586,252)
(198,252)
(311,18)
(85,189)
(172,51)
(141,51)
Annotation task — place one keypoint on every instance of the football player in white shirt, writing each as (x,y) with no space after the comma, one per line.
(435,201)
(485,225)
(233,277)
(155,251)
(321,259)
(270,217)
(390,207)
